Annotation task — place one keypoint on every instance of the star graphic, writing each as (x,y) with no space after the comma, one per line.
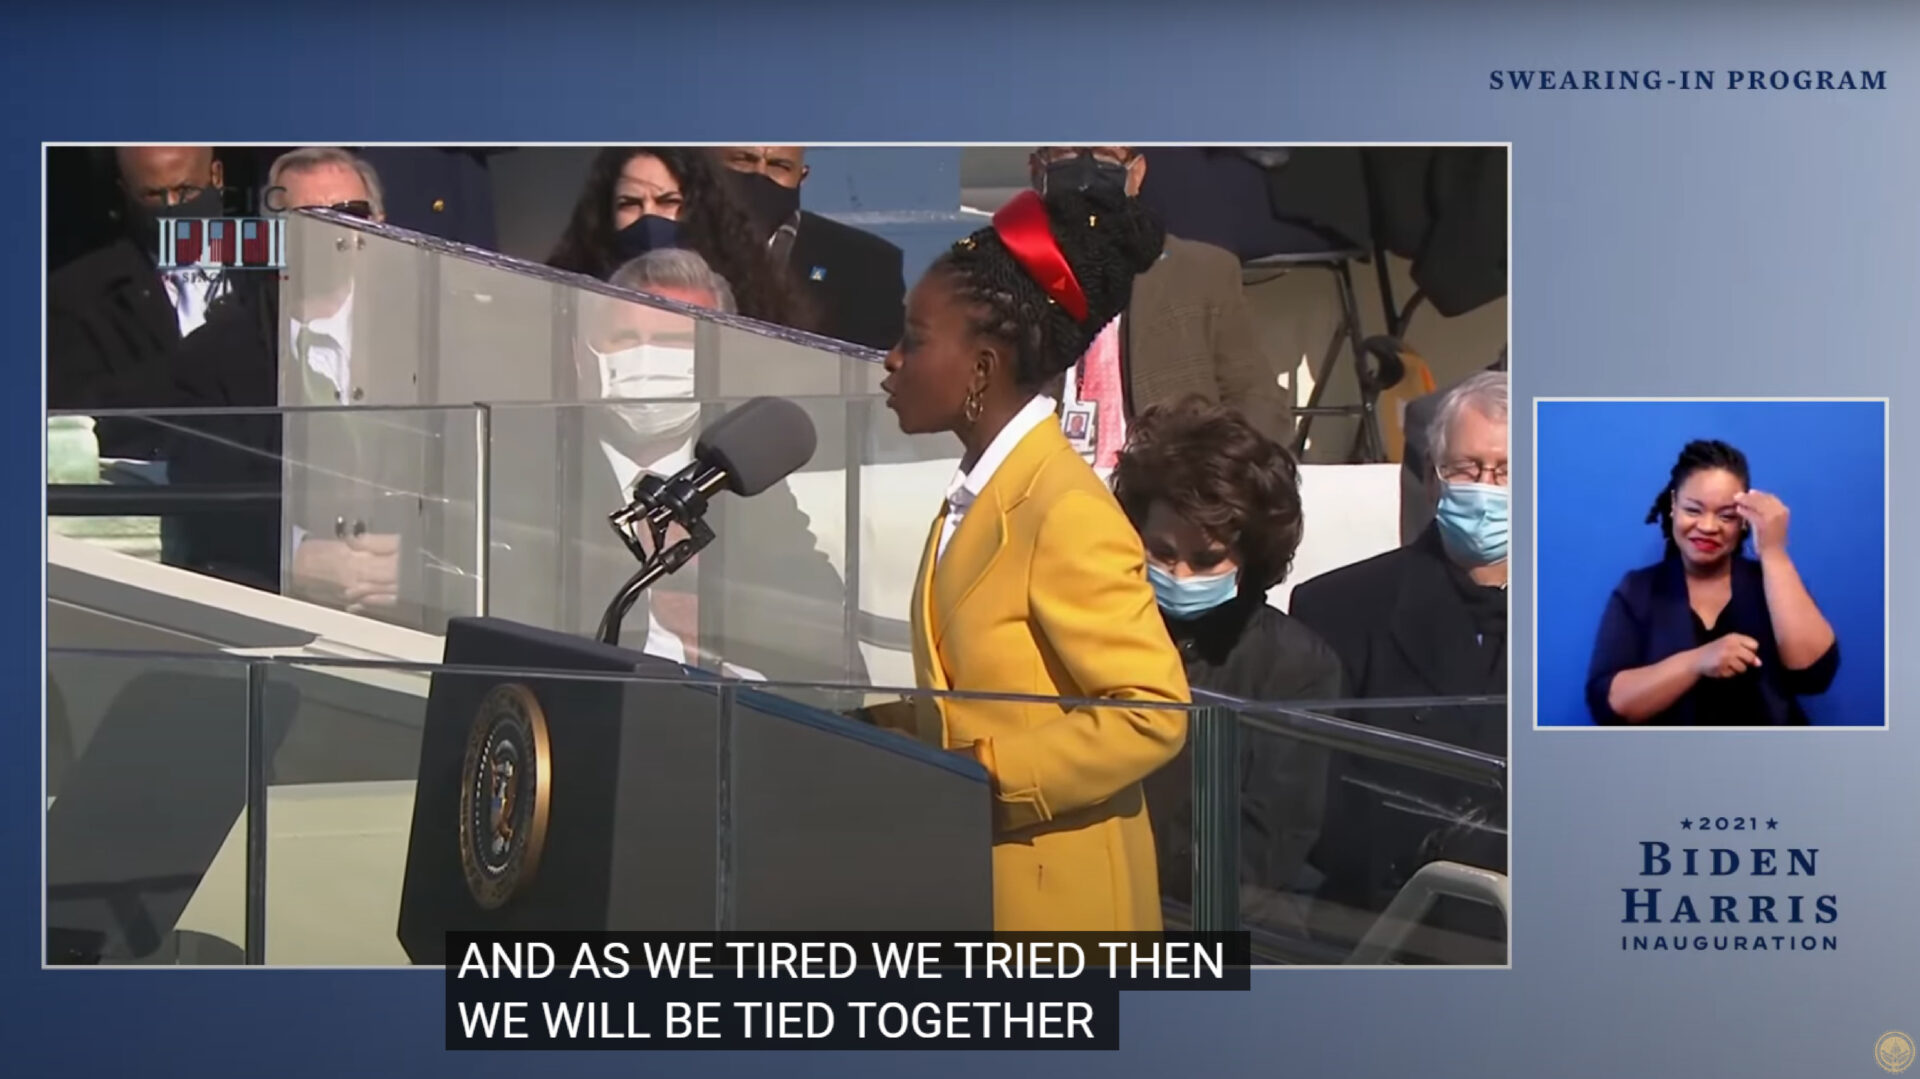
(1772,825)
(1686,824)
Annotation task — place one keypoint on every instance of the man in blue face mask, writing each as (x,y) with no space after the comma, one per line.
(1427,620)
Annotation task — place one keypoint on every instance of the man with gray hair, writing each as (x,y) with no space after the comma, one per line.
(1416,463)
(1426,620)
(677,274)
(781,588)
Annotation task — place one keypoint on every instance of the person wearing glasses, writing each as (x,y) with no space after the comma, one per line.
(1425,620)
(344,553)
(1707,636)
(1185,331)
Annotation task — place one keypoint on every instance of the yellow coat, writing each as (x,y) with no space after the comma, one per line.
(1043,592)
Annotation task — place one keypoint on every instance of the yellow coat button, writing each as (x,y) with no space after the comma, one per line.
(439,205)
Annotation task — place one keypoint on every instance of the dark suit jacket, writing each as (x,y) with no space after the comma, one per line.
(444,191)
(1649,618)
(229,363)
(1255,653)
(852,279)
(1402,629)
(1187,332)
(111,332)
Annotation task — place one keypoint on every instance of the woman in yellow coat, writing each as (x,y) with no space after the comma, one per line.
(1033,582)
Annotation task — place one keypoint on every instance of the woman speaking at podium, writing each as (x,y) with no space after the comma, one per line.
(1033,582)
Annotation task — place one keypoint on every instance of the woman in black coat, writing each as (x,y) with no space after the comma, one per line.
(1707,636)
(1218,509)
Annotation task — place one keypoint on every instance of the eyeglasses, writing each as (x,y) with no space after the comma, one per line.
(1474,472)
(359,208)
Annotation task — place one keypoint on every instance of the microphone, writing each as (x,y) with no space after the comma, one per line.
(745,452)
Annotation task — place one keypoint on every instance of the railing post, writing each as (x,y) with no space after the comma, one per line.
(1213,734)
(256,859)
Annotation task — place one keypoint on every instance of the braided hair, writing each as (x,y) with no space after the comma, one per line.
(1107,238)
(1700,455)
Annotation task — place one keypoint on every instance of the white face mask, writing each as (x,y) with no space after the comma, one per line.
(656,375)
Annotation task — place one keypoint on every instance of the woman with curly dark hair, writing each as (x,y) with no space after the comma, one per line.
(642,198)
(1218,509)
(1032,582)
(1707,636)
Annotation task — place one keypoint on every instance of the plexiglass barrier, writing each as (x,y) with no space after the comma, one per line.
(369,509)
(277,829)
(416,515)
(377,315)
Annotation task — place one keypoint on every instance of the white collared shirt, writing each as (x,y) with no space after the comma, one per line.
(191,292)
(966,486)
(332,362)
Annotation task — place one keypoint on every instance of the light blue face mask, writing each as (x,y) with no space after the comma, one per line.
(1191,597)
(1473,522)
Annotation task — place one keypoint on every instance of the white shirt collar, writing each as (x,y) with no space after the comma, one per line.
(966,486)
(337,325)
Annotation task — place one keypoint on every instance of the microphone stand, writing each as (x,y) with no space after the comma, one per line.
(656,506)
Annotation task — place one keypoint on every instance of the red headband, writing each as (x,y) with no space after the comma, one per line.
(1022,226)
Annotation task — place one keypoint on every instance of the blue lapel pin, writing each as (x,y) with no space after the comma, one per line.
(818,273)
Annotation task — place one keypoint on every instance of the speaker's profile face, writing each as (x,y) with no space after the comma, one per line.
(937,362)
(1706,519)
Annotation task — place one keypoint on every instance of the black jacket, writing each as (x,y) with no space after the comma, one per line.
(113,342)
(1253,652)
(1409,623)
(852,279)
(1649,618)
(111,334)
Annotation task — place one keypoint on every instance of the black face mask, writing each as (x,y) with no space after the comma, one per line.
(143,220)
(649,233)
(1084,172)
(769,202)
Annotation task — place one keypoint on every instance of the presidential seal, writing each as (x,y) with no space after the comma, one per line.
(505,789)
(1894,1051)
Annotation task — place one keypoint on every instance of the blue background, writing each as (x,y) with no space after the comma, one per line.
(1663,241)
(1601,463)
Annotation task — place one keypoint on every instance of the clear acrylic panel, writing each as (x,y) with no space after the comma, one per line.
(1337,807)
(373,510)
(431,322)
(146,812)
(1334,816)
(767,599)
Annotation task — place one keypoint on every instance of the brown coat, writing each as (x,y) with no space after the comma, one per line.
(1187,331)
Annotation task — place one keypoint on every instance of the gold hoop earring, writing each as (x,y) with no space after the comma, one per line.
(971,410)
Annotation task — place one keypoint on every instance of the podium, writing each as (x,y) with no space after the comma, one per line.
(566,784)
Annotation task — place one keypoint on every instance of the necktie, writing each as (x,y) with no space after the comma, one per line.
(304,344)
(1099,384)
